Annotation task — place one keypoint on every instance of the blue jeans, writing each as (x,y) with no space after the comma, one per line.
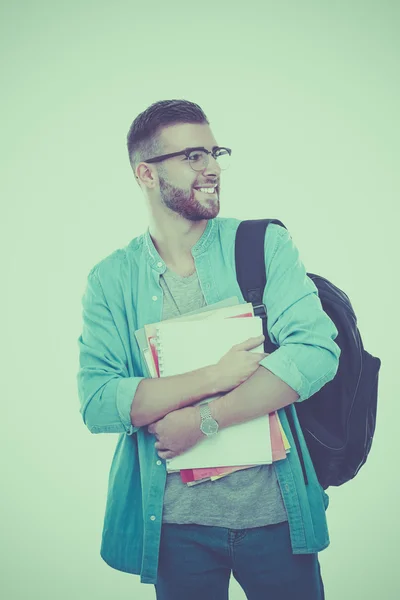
(196,562)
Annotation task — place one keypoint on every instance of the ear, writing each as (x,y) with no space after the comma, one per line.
(145,175)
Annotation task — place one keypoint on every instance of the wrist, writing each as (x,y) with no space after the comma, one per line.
(213,380)
(196,421)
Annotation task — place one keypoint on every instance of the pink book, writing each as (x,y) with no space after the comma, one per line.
(278,447)
(197,474)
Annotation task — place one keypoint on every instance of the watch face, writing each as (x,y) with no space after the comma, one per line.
(209,426)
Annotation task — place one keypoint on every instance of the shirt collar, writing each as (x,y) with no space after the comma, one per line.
(202,245)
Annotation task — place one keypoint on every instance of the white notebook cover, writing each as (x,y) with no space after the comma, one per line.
(190,345)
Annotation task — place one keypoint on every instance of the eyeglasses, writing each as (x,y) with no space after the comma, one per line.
(198,157)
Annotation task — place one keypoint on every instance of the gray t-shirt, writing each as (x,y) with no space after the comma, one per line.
(241,500)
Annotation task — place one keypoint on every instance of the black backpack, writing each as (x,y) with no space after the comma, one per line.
(338,422)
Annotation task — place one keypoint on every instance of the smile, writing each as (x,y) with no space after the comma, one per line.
(209,191)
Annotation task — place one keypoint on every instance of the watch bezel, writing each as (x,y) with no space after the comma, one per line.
(209,426)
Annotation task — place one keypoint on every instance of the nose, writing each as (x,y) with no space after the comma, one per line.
(212,167)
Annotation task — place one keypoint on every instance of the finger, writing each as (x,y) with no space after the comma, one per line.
(152,426)
(166,454)
(152,429)
(252,342)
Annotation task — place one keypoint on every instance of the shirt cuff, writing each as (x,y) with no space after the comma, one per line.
(283,367)
(126,391)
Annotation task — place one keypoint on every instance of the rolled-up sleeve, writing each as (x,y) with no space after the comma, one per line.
(105,388)
(307,356)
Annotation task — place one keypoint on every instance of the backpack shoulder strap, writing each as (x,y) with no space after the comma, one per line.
(250,261)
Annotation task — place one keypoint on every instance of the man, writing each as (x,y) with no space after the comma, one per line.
(265,524)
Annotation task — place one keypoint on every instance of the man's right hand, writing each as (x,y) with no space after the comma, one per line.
(238,364)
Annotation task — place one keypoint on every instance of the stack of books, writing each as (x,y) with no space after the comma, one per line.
(196,340)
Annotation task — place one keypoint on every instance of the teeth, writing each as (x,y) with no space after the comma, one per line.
(207,190)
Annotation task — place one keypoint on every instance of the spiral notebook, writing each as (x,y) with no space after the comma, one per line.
(190,345)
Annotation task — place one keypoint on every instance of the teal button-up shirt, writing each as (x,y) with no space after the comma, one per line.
(123,294)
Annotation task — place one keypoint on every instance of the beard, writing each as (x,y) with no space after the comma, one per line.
(184,203)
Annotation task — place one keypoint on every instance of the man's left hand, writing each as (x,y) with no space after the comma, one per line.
(178,431)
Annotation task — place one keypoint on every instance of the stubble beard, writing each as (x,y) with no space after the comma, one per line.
(184,203)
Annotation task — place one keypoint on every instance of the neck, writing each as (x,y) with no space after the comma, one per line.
(174,239)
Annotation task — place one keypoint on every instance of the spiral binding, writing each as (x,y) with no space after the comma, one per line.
(159,352)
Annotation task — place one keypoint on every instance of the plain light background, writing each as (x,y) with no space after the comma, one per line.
(307,96)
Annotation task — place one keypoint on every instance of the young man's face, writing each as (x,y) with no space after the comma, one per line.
(178,181)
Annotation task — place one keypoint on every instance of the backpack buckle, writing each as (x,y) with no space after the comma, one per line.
(260,311)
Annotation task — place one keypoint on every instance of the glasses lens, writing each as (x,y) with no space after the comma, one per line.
(198,159)
(223,158)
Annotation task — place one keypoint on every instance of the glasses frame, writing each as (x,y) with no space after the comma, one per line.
(187,152)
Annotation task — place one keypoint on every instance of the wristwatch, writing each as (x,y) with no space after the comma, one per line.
(208,425)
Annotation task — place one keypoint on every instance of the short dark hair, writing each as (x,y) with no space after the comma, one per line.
(143,139)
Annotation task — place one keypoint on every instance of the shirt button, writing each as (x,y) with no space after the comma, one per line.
(287,487)
(154,298)
(159,264)
(159,462)
(152,518)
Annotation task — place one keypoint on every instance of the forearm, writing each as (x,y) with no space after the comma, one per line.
(260,394)
(154,398)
